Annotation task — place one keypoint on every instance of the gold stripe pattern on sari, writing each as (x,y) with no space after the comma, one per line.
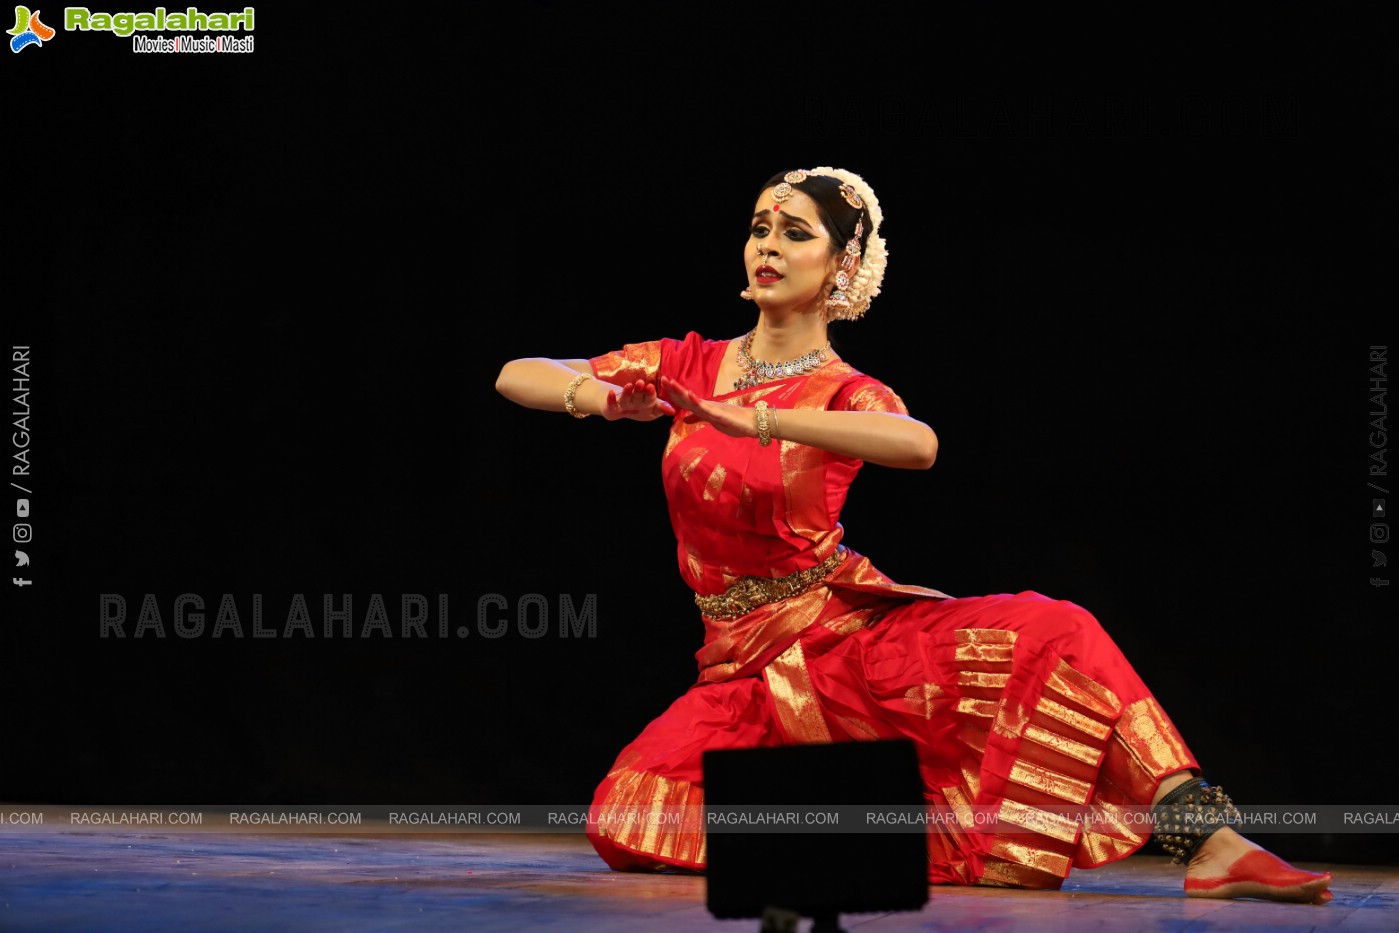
(655,815)
(798,709)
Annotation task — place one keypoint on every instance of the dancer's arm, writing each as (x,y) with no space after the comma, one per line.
(884,438)
(540,383)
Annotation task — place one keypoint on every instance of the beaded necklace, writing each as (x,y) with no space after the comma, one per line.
(756,371)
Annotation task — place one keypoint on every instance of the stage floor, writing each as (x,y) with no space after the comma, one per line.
(205,881)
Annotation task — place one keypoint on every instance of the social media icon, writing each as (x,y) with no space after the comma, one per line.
(1379,533)
(1377,508)
(21,559)
(1378,558)
(21,508)
(23,533)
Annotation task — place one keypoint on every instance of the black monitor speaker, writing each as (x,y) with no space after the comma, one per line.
(773,849)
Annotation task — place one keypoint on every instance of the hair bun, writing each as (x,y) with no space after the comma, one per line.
(875,257)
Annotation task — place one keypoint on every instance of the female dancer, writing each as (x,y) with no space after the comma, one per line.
(1018,703)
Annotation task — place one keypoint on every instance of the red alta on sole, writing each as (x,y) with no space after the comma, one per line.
(1264,875)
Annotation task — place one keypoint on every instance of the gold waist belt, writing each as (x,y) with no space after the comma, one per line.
(751,592)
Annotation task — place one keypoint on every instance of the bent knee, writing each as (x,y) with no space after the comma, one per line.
(1060,619)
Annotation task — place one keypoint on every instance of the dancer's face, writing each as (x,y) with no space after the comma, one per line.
(790,240)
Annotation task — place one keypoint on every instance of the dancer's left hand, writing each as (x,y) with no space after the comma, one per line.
(733,420)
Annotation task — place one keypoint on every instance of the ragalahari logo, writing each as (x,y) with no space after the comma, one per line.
(28,30)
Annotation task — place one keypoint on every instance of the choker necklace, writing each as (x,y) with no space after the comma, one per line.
(756,371)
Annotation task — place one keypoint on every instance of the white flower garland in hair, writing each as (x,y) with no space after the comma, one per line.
(864,288)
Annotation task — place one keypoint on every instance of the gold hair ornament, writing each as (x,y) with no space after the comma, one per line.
(852,296)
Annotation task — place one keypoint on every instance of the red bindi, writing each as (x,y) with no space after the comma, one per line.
(776,208)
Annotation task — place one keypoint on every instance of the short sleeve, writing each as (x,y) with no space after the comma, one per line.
(634,361)
(867,394)
(685,361)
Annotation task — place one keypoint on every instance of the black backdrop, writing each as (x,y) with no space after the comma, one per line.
(267,297)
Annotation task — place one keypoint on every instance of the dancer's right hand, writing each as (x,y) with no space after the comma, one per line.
(638,401)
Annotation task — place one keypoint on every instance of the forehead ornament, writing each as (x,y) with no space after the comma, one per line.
(784,189)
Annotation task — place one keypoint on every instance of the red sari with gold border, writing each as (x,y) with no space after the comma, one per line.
(1019,703)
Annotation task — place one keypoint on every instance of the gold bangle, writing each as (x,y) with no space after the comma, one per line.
(772,413)
(760,412)
(571,391)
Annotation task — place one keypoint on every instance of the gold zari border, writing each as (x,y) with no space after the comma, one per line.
(798,710)
(634,816)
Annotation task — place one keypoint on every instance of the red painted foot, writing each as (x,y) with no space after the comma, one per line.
(1262,874)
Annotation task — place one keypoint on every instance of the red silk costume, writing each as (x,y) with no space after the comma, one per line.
(1016,702)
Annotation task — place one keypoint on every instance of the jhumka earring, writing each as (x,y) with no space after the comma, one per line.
(838,305)
(747,293)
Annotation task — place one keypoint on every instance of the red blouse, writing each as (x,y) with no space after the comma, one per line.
(738,508)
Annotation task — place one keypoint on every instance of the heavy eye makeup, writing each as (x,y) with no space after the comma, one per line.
(792,232)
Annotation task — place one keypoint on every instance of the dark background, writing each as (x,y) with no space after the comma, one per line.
(268,296)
